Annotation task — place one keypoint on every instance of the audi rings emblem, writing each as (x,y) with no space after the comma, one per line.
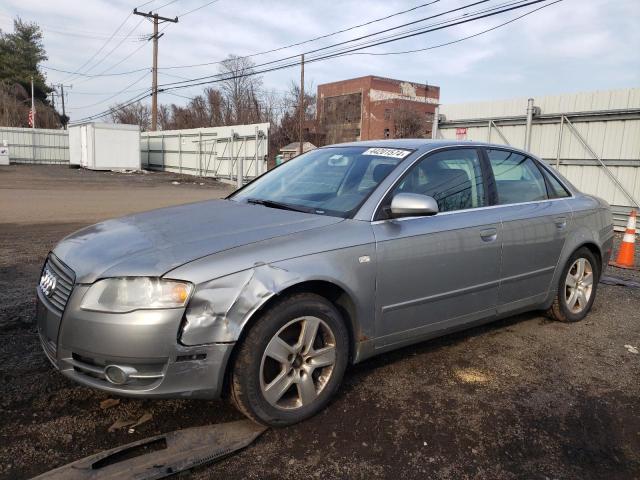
(48,283)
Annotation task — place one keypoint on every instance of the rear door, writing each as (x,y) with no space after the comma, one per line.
(535,220)
(438,271)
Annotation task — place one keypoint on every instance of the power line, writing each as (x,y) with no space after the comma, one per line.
(478,14)
(114,48)
(178,95)
(124,59)
(114,95)
(370,22)
(112,109)
(309,40)
(422,29)
(165,5)
(221,77)
(96,75)
(63,30)
(103,46)
(176,85)
(457,40)
(110,93)
(293,44)
(145,3)
(352,49)
(180,15)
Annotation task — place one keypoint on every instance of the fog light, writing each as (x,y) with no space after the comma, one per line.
(118,375)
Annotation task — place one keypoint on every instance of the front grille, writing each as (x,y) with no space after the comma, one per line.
(65,278)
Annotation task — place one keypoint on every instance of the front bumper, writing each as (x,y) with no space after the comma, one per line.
(81,344)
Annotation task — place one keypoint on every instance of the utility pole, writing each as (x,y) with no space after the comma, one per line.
(33,107)
(154,83)
(301,106)
(64,113)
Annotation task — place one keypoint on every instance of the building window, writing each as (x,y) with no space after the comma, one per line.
(387,114)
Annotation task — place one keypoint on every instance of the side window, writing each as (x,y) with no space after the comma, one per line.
(518,179)
(452,177)
(556,190)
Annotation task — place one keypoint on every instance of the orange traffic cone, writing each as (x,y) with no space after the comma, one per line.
(627,247)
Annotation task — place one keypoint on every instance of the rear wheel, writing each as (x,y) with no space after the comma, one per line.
(577,287)
(291,361)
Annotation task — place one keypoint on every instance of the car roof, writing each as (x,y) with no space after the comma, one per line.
(422,144)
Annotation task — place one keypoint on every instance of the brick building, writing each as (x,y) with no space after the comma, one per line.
(370,107)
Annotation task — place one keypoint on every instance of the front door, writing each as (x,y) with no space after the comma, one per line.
(436,272)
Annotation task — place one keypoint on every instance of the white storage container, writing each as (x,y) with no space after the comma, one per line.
(4,152)
(105,146)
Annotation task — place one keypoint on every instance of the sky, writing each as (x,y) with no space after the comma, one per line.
(570,46)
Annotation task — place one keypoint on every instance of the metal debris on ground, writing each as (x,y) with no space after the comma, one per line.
(143,419)
(132,422)
(118,424)
(109,402)
(607,280)
(162,455)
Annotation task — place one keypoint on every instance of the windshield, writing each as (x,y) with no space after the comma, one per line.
(332,181)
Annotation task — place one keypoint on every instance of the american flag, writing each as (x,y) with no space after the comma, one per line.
(31,115)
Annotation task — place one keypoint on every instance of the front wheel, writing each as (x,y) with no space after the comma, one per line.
(291,361)
(577,287)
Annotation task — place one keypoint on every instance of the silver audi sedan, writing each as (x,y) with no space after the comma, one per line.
(340,254)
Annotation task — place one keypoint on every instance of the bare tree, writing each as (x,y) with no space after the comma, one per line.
(408,123)
(135,114)
(240,88)
(164,117)
(289,124)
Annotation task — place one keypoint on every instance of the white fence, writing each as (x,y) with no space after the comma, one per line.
(36,145)
(219,152)
(592,138)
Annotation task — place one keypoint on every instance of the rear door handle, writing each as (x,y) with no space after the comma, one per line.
(489,234)
(561,222)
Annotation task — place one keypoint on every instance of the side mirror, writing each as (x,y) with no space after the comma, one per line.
(413,205)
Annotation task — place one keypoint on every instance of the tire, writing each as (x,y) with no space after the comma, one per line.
(569,308)
(283,376)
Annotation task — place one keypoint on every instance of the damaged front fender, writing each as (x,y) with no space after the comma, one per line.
(219,308)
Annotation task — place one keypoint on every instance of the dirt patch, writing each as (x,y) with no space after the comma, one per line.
(520,398)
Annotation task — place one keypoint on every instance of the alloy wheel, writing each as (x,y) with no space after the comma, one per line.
(297,363)
(579,285)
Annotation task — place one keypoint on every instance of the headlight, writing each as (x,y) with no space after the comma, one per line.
(120,295)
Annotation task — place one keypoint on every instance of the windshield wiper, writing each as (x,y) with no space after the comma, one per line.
(282,206)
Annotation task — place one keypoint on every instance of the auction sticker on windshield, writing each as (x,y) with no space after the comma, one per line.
(387,152)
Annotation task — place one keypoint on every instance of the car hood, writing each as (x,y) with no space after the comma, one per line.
(154,242)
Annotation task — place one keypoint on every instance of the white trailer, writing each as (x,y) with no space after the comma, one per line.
(105,146)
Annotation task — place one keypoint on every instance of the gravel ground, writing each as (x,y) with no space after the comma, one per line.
(520,398)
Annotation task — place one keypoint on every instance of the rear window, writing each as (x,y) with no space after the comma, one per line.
(518,178)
